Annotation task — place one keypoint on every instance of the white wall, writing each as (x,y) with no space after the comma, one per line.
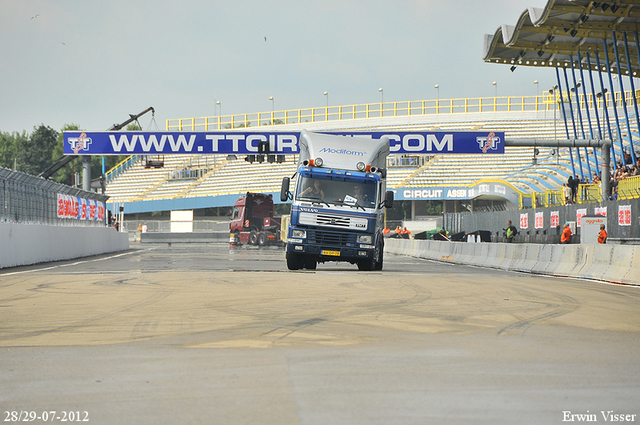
(22,244)
(610,263)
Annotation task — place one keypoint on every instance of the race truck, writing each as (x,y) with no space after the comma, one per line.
(252,221)
(338,201)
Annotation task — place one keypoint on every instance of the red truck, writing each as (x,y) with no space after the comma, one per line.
(252,221)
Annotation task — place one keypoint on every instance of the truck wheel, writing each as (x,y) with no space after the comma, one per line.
(262,239)
(380,258)
(253,238)
(294,261)
(366,265)
(378,265)
(310,263)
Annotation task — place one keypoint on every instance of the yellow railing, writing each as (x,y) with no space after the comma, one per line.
(545,102)
(627,189)
(368,110)
(120,167)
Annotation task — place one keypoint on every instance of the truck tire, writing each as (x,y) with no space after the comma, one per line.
(253,238)
(310,263)
(262,239)
(378,265)
(294,261)
(367,265)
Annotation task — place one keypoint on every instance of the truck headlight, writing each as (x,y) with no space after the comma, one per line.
(297,233)
(365,239)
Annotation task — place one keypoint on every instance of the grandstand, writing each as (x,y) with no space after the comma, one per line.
(189,176)
(196,176)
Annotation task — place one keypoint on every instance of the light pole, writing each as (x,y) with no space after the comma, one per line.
(219,114)
(537,96)
(326,93)
(495,100)
(381,101)
(272,104)
(437,87)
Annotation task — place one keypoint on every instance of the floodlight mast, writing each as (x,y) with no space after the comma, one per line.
(603,144)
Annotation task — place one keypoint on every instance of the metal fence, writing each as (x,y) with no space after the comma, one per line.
(164,226)
(28,199)
(495,222)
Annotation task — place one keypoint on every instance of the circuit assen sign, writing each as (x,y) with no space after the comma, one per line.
(235,142)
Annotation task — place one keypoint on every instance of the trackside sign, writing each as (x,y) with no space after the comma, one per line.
(232,142)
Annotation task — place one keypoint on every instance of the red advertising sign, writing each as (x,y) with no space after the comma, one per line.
(524,221)
(624,215)
(579,214)
(555,218)
(539,223)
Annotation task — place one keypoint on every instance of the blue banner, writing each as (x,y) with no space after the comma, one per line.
(235,142)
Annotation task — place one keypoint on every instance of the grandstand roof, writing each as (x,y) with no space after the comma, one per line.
(552,36)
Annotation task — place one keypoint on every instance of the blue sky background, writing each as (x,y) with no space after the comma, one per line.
(92,63)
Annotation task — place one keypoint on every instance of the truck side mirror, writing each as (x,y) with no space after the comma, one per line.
(284,190)
(388,199)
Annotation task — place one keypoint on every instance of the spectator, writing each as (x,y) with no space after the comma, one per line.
(566,191)
(566,234)
(573,183)
(510,231)
(602,236)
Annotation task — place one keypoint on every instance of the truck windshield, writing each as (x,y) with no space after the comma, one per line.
(343,191)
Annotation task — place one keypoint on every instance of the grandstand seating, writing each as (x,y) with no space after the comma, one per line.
(516,166)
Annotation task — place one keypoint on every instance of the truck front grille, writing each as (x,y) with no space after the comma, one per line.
(323,237)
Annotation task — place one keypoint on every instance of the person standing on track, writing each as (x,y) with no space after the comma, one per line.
(510,231)
(602,236)
(566,234)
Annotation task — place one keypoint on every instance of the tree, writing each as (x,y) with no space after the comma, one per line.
(34,154)
(9,147)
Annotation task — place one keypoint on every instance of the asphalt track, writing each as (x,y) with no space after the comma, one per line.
(196,333)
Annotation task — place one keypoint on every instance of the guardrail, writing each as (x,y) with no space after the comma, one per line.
(610,263)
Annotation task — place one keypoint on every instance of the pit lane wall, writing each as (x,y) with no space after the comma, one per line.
(24,244)
(610,263)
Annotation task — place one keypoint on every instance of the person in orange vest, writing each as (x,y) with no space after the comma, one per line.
(566,234)
(602,236)
(405,233)
(398,230)
(386,230)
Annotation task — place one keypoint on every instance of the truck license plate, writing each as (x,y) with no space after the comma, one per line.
(333,253)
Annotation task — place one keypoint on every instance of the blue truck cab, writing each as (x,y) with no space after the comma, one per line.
(338,202)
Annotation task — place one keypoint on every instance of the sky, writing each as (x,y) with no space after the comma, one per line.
(92,63)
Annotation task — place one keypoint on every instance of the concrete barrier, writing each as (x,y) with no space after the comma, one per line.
(190,237)
(24,244)
(611,263)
